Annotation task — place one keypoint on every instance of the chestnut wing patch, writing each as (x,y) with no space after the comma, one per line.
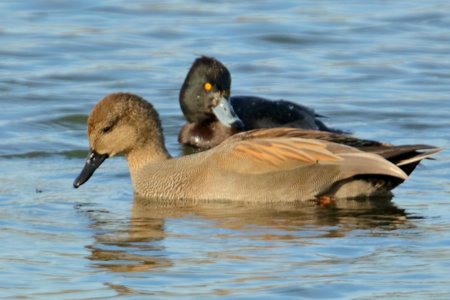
(258,156)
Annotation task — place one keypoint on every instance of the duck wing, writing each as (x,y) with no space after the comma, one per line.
(280,149)
(407,157)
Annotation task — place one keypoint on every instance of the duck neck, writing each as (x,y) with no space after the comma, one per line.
(146,155)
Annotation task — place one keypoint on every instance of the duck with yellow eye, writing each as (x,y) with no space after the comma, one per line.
(209,113)
(212,115)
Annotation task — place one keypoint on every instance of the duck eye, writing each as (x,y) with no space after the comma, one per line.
(107,129)
(207,86)
(110,126)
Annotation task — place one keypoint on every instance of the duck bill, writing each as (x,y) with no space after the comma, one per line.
(93,161)
(224,112)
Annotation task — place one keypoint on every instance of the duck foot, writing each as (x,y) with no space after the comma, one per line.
(325,201)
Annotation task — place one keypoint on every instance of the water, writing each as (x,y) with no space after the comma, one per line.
(379,69)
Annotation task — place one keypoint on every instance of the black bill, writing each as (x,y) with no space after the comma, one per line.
(93,161)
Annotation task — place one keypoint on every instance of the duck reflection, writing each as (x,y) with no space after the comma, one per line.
(127,246)
(138,244)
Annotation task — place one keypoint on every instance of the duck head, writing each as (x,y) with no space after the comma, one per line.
(122,123)
(205,94)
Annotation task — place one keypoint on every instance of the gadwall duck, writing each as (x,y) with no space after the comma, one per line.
(212,115)
(261,165)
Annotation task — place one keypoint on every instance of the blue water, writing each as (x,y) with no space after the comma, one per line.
(377,68)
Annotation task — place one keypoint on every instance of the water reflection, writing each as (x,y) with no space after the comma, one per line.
(137,244)
(128,246)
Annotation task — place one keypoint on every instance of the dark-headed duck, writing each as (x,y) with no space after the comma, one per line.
(212,115)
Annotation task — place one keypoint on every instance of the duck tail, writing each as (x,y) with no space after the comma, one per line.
(407,157)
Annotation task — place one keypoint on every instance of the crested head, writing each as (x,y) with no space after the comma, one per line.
(121,123)
(212,70)
(207,79)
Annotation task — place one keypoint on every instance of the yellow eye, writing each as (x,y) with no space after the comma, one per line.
(207,86)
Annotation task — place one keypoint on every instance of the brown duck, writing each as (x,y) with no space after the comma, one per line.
(280,164)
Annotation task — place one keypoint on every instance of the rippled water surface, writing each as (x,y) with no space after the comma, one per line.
(380,69)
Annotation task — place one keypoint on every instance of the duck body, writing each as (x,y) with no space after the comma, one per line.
(255,113)
(202,181)
(212,115)
(265,165)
